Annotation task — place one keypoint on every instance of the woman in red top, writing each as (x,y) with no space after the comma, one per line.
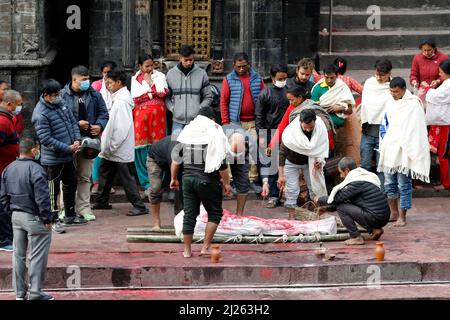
(424,74)
(148,88)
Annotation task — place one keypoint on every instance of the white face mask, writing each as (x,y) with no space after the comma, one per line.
(280,84)
(18,110)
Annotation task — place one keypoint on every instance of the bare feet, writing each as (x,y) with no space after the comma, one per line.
(205,252)
(439,187)
(156,228)
(187,254)
(401,222)
(394,217)
(376,234)
(354,241)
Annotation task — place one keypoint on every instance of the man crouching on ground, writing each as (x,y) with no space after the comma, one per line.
(25,192)
(358,199)
(205,148)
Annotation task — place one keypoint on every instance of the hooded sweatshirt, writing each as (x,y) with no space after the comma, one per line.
(118,137)
(188,93)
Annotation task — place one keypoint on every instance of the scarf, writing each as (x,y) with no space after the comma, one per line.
(138,89)
(203,131)
(106,95)
(438,105)
(315,149)
(339,94)
(358,174)
(374,99)
(404,144)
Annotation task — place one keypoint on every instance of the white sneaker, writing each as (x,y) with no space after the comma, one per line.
(58,228)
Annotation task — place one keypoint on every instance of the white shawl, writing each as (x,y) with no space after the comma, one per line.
(375,96)
(203,131)
(339,94)
(139,89)
(316,149)
(106,95)
(358,174)
(405,147)
(438,105)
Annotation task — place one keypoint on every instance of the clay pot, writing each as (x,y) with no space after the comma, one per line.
(379,251)
(215,253)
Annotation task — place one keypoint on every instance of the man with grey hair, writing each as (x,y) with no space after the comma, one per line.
(9,151)
(358,199)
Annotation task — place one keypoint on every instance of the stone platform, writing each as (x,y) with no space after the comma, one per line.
(417,256)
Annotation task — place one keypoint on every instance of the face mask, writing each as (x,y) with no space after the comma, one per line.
(84,86)
(280,84)
(18,110)
(56,101)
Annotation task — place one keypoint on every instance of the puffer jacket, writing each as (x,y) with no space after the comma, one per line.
(57,130)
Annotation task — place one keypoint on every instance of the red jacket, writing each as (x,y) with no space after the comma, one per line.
(424,69)
(9,142)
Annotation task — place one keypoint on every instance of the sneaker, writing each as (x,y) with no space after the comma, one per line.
(8,248)
(62,215)
(43,297)
(58,228)
(256,188)
(74,222)
(99,206)
(88,217)
(20,299)
(138,212)
(272,203)
(171,196)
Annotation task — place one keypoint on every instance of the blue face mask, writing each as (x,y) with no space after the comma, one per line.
(84,86)
(18,110)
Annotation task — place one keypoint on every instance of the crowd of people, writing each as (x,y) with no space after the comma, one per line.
(270,137)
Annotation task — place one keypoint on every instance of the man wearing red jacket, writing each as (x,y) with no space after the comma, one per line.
(9,151)
(240,90)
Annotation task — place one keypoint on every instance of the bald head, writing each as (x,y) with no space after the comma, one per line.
(11,99)
(237,143)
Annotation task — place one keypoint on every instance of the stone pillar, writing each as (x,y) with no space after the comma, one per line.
(245,33)
(128,35)
(144,26)
(157,31)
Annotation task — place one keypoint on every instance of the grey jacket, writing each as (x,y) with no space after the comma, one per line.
(188,94)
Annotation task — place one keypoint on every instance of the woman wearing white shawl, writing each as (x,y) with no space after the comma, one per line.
(316,149)
(438,115)
(404,149)
(148,89)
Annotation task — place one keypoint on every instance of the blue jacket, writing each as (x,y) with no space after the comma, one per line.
(97,113)
(24,187)
(57,130)
(236,93)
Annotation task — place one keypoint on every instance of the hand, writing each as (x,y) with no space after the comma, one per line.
(318,165)
(414,83)
(268,151)
(435,83)
(316,199)
(335,109)
(424,84)
(281,182)
(262,141)
(175,185)
(75,147)
(227,190)
(84,125)
(323,210)
(96,130)
(48,227)
(265,190)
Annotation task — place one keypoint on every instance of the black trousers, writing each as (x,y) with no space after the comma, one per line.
(350,214)
(65,173)
(6,231)
(107,172)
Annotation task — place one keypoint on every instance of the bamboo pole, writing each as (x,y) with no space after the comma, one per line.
(148,238)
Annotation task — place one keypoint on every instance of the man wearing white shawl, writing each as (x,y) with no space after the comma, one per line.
(304,149)
(404,148)
(358,199)
(205,148)
(375,96)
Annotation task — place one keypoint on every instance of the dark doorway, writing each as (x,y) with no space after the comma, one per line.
(72,45)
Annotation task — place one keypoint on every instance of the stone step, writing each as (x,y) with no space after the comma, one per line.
(390,20)
(380,40)
(386,4)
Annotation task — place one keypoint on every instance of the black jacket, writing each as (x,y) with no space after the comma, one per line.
(164,151)
(293,82)
(24,187)
(368,197)
(270,107)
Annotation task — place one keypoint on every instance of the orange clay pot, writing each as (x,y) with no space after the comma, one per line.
(215,254)
(379,251)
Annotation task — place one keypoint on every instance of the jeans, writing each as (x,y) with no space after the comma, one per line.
(177,127)
(350,214)
(30,232)
(369,147)
(399,185)
(292,173)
